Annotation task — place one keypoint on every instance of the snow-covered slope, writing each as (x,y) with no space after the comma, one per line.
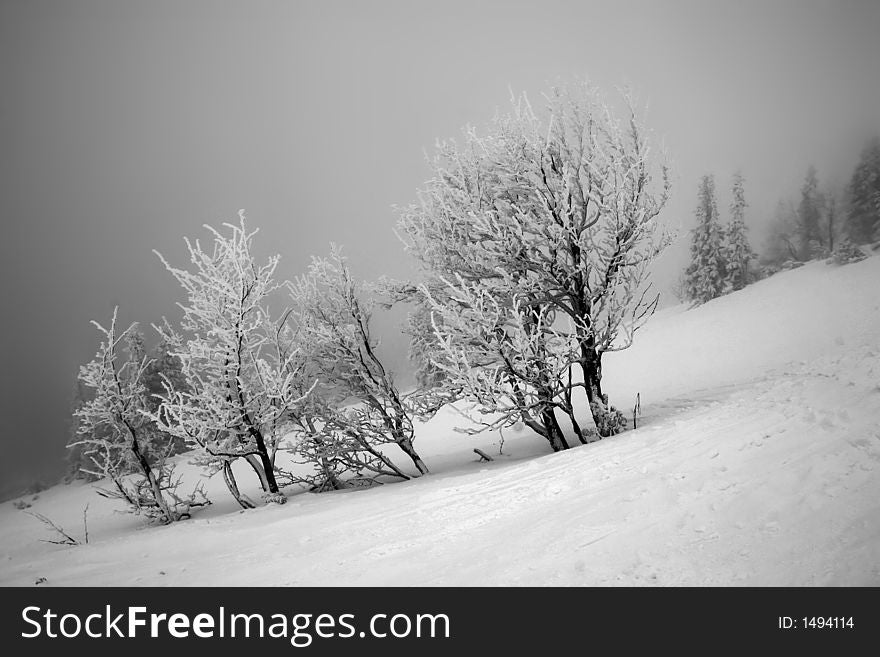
(756,463)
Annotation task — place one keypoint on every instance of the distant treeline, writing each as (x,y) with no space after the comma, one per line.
(823,223)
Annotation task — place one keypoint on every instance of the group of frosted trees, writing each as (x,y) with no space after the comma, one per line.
(863,197)
(533,240)
(307,379)
(822,224)
(827,222)
(809,229)
(720,253)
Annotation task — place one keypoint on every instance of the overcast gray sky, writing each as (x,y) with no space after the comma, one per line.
(127,125)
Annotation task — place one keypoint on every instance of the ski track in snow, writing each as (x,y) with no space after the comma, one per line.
(755,463)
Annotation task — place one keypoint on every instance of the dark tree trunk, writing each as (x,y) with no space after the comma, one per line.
(552,431)
(591,365)
(569,411)
(379,456)
(272,485)
(257,467)
(229,478)
(831,227)
(545,425)
(540,429)
(169,516)
(406,445)
(576,427)
(268,477)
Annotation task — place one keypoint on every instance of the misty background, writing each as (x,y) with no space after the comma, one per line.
(127,125)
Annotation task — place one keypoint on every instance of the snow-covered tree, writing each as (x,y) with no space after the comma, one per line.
(117,436)
(504,354)
(78,463)
(845,253)
(243,373)
(738,252)
(359,408)
(160,365)
(540,231)
(831,221)
(812,241)
(706,274)
(863,217)
(781,243)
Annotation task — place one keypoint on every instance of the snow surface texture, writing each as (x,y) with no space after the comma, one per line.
(756,462)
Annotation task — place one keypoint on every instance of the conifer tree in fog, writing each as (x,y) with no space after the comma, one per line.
(738,252)
(813,242)
(706,275)
(863,216)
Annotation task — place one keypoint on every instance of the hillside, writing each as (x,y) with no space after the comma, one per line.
(755,463)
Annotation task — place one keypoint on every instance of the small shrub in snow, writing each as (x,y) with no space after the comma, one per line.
(790,264)
(845,253)
(274,498)
(817,250)
(614,421)
(769,270)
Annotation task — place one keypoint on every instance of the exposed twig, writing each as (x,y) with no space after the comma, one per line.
(66,539)
(86,524)
(483,456)
(637,410)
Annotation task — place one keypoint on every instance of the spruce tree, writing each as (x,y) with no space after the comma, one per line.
(863,217)
(165,368)
(811,242)
(831,221)
(704,278)
(781,244)
(737,250)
